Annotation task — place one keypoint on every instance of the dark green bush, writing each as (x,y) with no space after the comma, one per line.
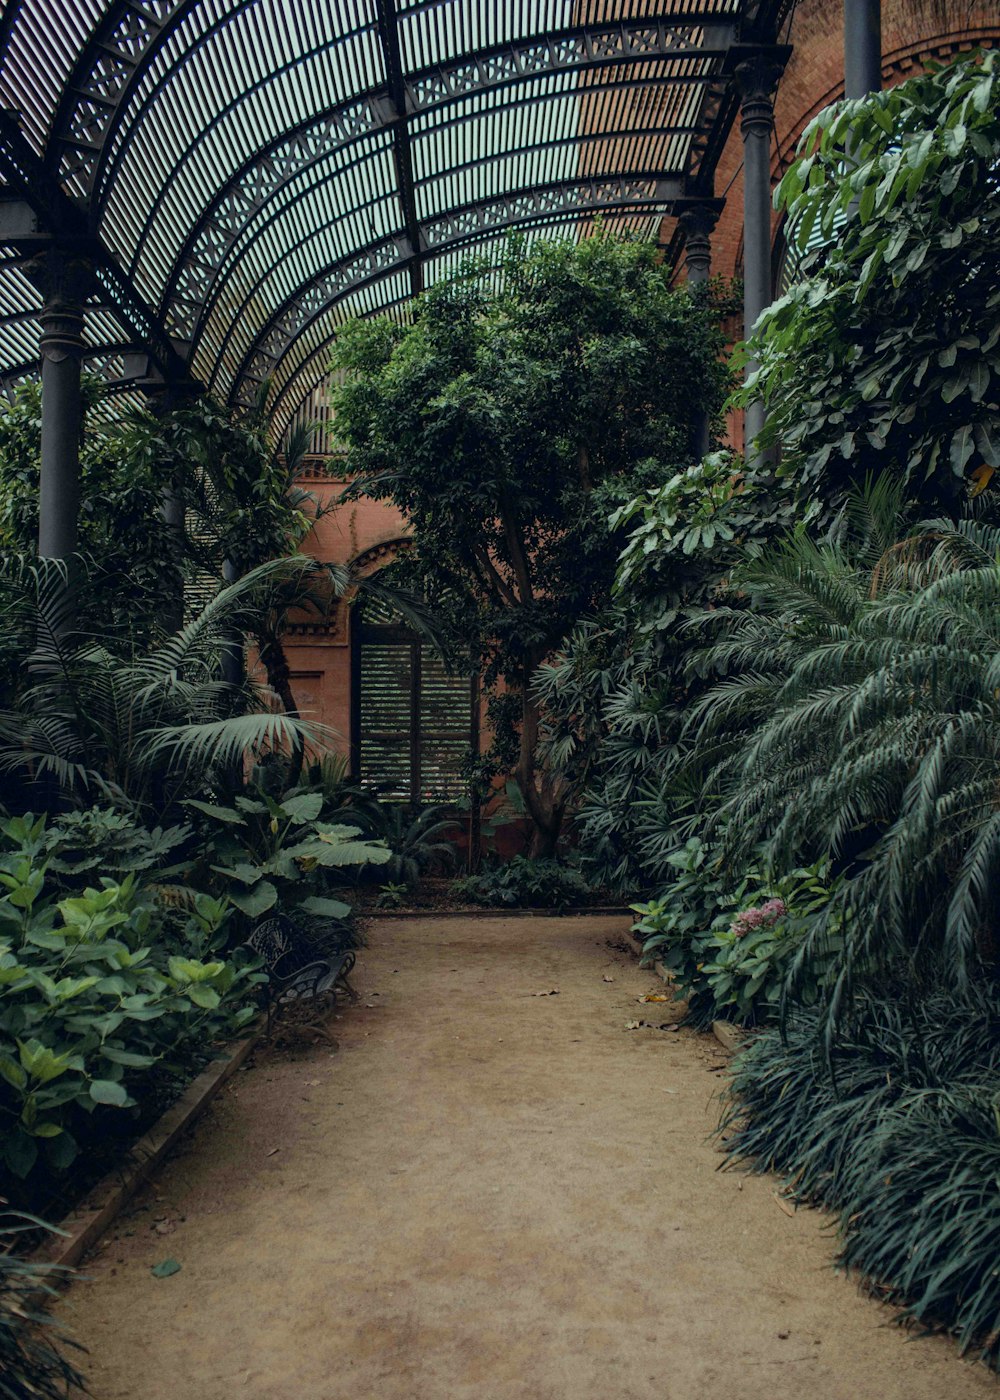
(525,883)
(899,1132)
(107,1000)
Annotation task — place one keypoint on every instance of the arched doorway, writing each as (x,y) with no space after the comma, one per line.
(414,725)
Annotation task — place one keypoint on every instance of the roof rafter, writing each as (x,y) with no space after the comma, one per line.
(60,221)
(583,198)
(402,152)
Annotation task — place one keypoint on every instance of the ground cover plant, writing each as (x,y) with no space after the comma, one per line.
(899,1134)
(33,1363)
(525,882)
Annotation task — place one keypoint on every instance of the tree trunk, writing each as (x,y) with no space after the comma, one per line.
(279,678)
(544,808)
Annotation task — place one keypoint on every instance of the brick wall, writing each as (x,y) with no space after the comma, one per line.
(913,31)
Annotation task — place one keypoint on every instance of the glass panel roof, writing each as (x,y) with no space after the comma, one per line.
(247,174)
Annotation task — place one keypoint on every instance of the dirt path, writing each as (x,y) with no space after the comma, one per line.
(486,1193)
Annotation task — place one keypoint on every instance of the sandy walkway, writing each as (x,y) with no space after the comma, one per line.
(486,1193)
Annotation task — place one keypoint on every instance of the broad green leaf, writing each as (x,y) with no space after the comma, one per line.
(303,807)
(961,449)
(257,901)
(108,1091)
(325,908)
(130,1058)
(219,814)
(203,996)
(987,439)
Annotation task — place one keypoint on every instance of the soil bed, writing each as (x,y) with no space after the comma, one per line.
(493,1189)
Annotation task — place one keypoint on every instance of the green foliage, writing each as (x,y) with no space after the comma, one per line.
(748,966)
(899,1133)
(523,882)
(676,551)
(520,407)
(226,470)
(145,730)
(413,836)
(102,997)
(32,1365)
(613,701)
(865,726)
(78,844)
(264,853)
(886,356)
(136,561)
(392,896)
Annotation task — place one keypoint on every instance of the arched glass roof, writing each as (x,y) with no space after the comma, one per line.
(246,174)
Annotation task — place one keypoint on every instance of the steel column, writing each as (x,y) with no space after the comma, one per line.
(63,280)
(757,77)
(698,221)
(862,47)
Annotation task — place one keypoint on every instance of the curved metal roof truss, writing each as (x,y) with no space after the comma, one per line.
(246,174)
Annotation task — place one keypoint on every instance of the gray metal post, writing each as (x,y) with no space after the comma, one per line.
(757,77)
(698,221)
(232,652)
(63,280)
(862,47)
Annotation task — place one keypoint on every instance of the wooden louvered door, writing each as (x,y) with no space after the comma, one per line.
(413,722)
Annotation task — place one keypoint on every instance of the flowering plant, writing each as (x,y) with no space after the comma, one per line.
(765,916)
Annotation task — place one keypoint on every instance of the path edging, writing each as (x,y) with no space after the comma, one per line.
(729,1035)
(83,1227)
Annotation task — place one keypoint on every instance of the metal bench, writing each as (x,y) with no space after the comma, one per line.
(299,964)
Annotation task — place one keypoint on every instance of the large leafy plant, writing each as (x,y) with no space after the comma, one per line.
(145,730)
(859,716)
(103,996)
(885,355)
(264,853)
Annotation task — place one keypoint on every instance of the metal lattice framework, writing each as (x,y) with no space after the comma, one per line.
(244,175)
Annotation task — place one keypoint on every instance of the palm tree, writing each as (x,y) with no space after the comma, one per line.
(145,730)
(860,715)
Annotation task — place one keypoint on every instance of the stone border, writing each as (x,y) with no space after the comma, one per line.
(83,1227)
(730,1036)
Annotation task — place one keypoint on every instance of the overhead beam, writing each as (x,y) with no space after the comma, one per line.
(595,50)
(57,220)
(402,150)
(582,199)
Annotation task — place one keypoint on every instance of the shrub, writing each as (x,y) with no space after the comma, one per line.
(264,853)
(524,882)
(414,838)
(731,946)
(860,716)
(898,1131)
(105,1001)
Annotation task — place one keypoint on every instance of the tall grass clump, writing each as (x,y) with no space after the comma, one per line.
(898,1132)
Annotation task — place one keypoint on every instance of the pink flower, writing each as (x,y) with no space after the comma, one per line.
(764,916)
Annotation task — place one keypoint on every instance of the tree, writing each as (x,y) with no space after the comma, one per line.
(886,355)
(517,410)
